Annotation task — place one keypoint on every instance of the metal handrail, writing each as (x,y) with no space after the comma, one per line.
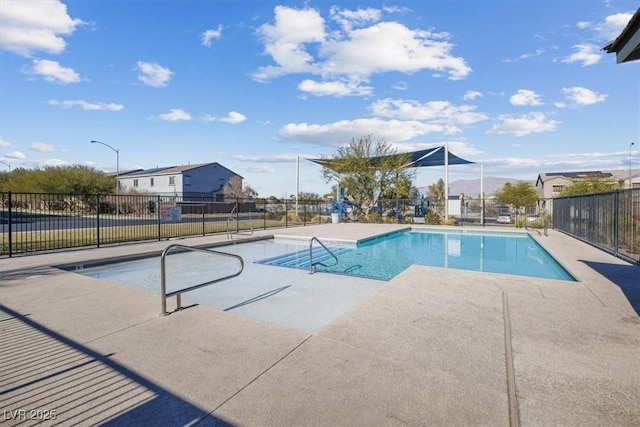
(312,265)
(163,275)
(229,233)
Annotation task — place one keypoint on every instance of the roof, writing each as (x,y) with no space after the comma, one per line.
(417,159)
(615,174)
(168,170)
(627,45)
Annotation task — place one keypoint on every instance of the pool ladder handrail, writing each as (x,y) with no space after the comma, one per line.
(238,231)
(163,275)
(312,265)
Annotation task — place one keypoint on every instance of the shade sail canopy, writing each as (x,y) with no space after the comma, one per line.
(416,159)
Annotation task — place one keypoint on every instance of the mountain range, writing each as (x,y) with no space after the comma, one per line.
(471,187)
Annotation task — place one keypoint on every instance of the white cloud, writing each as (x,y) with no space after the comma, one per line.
(53,72)
(337,133)
(31,26)
(583,96)
(259,169)
(285,41)
(153,74)
(348,19)
(400,86)
(17,155)
(299,42)
(471,95)
(433,111)
(175,115)
(537,52)
(234,117)
(334,88)
(612,26)
(209,35)
(87,106)
(525,97)
(42,147)
(4,143)
(558,162)
(523,125)
(273,158)
(587,54)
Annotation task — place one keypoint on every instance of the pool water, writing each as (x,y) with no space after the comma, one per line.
(386,257)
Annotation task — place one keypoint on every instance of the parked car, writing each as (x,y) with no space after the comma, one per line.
(504,219)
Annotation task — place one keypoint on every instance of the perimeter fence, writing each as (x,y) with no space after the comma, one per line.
(609,221)
(39,222)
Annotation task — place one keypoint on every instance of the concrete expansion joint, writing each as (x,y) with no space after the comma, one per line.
(514,415)
(120,330)
(260,375)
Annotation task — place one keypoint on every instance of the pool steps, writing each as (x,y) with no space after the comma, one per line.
(300,259)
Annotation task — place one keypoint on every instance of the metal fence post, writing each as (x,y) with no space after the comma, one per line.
(616,220)
(10,225)
(98,221)
(286,214)
(158,216)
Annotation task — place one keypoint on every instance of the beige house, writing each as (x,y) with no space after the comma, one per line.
(550,185)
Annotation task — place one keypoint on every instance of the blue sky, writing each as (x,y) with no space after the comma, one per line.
(521,86)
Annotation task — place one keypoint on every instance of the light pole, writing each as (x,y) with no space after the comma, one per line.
(117,174)
(7,165)
(630,145)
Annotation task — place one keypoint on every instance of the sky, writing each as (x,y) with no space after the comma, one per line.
(520,86)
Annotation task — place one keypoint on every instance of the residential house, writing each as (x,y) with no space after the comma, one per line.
(204,181)
(627,45)
(550,185)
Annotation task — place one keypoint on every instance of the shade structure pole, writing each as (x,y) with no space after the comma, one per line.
(297,182)
(446,181)
(481,194)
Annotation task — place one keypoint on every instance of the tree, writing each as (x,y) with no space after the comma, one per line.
(364,178)
(308,197)
(589,185)
(517,196)
(60,179)
(436,191)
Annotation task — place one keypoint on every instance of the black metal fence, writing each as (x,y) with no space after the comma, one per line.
(36,222)
(609,221)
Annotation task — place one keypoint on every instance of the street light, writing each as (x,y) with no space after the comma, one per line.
(630,145)
(7,165)
(117,173)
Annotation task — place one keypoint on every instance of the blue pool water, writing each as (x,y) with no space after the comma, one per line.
(386,257)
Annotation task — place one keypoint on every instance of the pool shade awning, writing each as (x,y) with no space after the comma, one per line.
(416,159)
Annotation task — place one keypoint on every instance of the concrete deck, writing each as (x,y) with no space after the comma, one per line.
(430,347)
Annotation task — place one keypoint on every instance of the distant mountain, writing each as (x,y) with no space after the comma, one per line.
(471,187)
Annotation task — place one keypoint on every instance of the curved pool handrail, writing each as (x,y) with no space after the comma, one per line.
(163,274)
(312,264)
(238,231)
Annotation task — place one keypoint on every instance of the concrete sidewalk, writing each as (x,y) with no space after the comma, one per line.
(431,347)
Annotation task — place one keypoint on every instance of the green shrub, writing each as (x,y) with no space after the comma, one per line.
(432,218)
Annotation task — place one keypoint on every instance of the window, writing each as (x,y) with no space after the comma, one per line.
(187,180)
(135,182)
(172,180)
(635,185)
(151,181)
(558,188)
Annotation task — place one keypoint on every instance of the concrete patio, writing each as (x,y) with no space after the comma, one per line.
(431,347)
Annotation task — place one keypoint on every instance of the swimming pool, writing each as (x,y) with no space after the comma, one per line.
(386,257)
(293,298)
